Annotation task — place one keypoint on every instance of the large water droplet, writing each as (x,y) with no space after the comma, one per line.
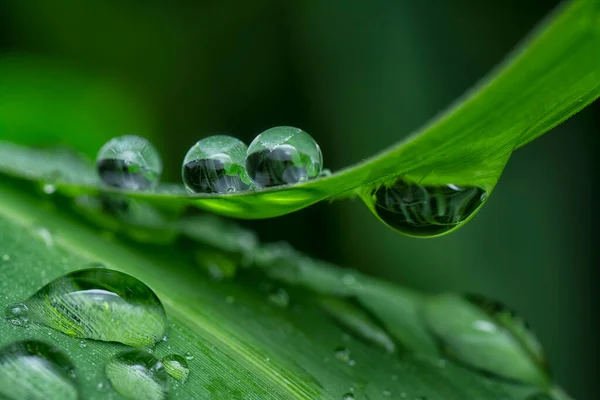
(100,304)
(486,336)
(425,211)
(358,322)
(216,164)
(35,370)
(137,374)
(176,366)
(283,155)
(17,314)
(129,162)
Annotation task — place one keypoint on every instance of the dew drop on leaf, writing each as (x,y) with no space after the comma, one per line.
(280,298)
(129,162)
(216,164)
(35,370)
(283,155)
(342,353)
(100,304)
(176,366)
(188,355)
(486,336)
(348,396)
(425,211)
(17,314)
(137,374)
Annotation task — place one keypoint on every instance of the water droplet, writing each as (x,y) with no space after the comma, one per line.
(35,370)
(188,356)
(49,188)
(387,393)
(218,265)
(348,396)
(44,234)
(96,265)
(17,314)
(351,363)
(280,298)
(358,322)
(137,374)
(283,155)
(5,258)
(100,304)
(425,211)
(129,162)
(342,354)
(486,336)
(216,164)
(83,344)
(176,366)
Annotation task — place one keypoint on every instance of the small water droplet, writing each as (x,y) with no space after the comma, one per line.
(342,354)
(137,374)
(216,164)
(129,162)
(425,211)
(17,314)
(100,304)
(487,336)
(283,155)
(44,234)
(35,370)
(188,356)
(267,359)
(5,258)
(101,386)
(280,298)
(387,393)
(351,363)
(83,344)
(348,396)
(49,188)
(176,366)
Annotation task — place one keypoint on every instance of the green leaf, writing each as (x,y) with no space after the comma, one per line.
(359,335)
(552,75)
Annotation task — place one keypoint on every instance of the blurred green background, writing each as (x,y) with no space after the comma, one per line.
(358,76)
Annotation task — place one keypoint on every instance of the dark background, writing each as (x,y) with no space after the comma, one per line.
(358,76)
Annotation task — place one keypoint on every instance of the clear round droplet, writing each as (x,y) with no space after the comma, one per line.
(425,211)
(188,356)
(137,375)
(486,336)
(216,164)
(100,304)
(176,366)
(342,353)
(5,257)
(283,155)
(49,188)
(280,298)
(129,162)
(35,370)
(17,314)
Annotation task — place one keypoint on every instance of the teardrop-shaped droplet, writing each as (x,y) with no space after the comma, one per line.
(137,375)
(358,322)
(486,336)
(425,211)
(283,155)
(129,162)
(35,370)
(17,314)
(216,164)
(176,366)
(100,304)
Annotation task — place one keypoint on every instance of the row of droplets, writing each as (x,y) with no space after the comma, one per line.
(216,164)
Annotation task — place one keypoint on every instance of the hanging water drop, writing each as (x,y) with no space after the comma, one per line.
(216,164)
(176,366)
(17,314)
(100,304)
(137,374)
(283,155)
(129,162)
(425,211)
(486,336)
(35,370)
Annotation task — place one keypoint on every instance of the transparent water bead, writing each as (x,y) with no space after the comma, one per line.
(17,314)
(129,162)
(424,211)
(486,336)
(283,155)
(216,164)
(100,304)
(176,366)
(137,374)
(35,370)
